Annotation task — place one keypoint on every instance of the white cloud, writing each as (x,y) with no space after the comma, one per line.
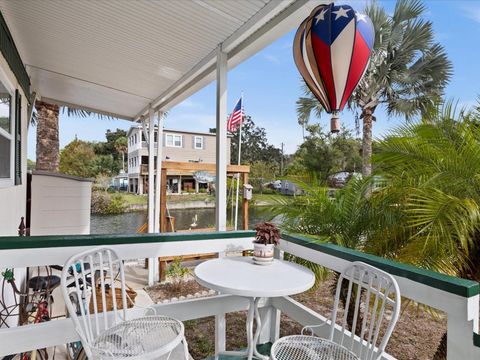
(189,104)
(271,58)
(472,12)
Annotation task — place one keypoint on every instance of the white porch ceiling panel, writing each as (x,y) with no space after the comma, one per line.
(121,56)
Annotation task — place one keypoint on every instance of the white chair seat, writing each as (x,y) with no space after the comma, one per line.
(141,338)
(305,347)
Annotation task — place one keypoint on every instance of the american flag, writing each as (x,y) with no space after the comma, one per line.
(236,117)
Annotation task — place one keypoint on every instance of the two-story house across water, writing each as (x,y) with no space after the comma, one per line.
(178,145)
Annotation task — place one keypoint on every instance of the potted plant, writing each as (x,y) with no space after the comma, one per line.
(266,238)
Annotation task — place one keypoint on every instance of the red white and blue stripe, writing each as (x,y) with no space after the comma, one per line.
(236,117)
(332,49)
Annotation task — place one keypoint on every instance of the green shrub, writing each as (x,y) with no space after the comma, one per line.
(104,203)
(176,271)
(116,206)
(100,202)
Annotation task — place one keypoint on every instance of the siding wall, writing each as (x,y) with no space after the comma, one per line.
(186,153)
(13,198)
(60,205)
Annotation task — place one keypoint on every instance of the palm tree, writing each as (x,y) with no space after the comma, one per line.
(433,167)
(46,118)
(48,147)
(121,145)
(424,208)
(406,74)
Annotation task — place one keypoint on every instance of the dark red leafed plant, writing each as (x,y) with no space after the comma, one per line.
(267,233)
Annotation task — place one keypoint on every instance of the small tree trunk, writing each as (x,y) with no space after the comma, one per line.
(48,146)
(367,115)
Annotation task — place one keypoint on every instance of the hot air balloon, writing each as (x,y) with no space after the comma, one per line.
(332,49)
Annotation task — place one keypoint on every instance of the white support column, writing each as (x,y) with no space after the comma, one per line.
(158,173)
(151,190)
(221,149)
(221,176)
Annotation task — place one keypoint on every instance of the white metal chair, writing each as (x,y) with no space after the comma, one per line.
(93,281)
(374,299)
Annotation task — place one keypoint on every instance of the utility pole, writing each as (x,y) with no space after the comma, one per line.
(281,161)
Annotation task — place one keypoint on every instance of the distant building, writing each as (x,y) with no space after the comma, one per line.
(178,145)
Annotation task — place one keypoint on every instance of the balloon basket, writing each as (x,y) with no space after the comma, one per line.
(335,123)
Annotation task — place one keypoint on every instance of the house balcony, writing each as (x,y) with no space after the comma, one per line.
(457,298)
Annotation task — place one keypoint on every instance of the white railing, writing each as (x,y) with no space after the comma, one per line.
(457,298)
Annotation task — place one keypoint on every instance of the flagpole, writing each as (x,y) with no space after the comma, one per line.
(238,174)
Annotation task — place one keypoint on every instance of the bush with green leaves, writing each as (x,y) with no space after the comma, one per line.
(106,203)
(177,272)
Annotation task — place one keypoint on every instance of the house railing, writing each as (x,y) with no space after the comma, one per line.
(458,298)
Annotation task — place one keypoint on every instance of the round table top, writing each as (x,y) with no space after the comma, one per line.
(240,276)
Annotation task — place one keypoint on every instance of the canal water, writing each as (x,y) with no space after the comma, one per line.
(128,223)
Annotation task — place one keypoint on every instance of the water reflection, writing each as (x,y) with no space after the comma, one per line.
(128,223)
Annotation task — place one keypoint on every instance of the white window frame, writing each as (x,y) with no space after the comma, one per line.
(195,142)
(174,137)
(8,182)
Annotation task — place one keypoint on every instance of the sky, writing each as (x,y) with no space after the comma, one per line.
(271,85)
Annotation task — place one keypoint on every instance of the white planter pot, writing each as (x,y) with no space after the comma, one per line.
(263,254)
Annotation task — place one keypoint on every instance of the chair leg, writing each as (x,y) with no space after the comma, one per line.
(185,347)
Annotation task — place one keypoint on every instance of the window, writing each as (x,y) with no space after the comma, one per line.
(7,136)
(173,140)
(198,142)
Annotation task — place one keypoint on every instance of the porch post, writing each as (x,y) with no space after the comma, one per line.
(221,176)
(158,176)
(151,190)
(221,145)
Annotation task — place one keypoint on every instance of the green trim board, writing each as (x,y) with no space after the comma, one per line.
(476,339)
(451,284)
(11,55)
(34,242)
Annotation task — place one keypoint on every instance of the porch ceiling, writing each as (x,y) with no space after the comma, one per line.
(118,57)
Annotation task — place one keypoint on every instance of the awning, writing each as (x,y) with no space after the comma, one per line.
(121,57)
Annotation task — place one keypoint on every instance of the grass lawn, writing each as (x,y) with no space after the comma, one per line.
(270,199)
(258,199)
(132,199)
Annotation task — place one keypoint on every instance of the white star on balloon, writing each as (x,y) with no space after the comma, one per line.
(320,16)
(361,17)
(341,13)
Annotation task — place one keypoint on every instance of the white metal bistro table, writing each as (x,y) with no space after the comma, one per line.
(240,276)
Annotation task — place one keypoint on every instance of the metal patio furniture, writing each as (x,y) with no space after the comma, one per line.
(240,276)
(93,282)
(374,297)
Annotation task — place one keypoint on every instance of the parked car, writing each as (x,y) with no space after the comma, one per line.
(339,179)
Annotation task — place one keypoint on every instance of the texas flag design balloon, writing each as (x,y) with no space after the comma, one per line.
(332,49)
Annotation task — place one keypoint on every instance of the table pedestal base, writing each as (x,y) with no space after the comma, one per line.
(252,339)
